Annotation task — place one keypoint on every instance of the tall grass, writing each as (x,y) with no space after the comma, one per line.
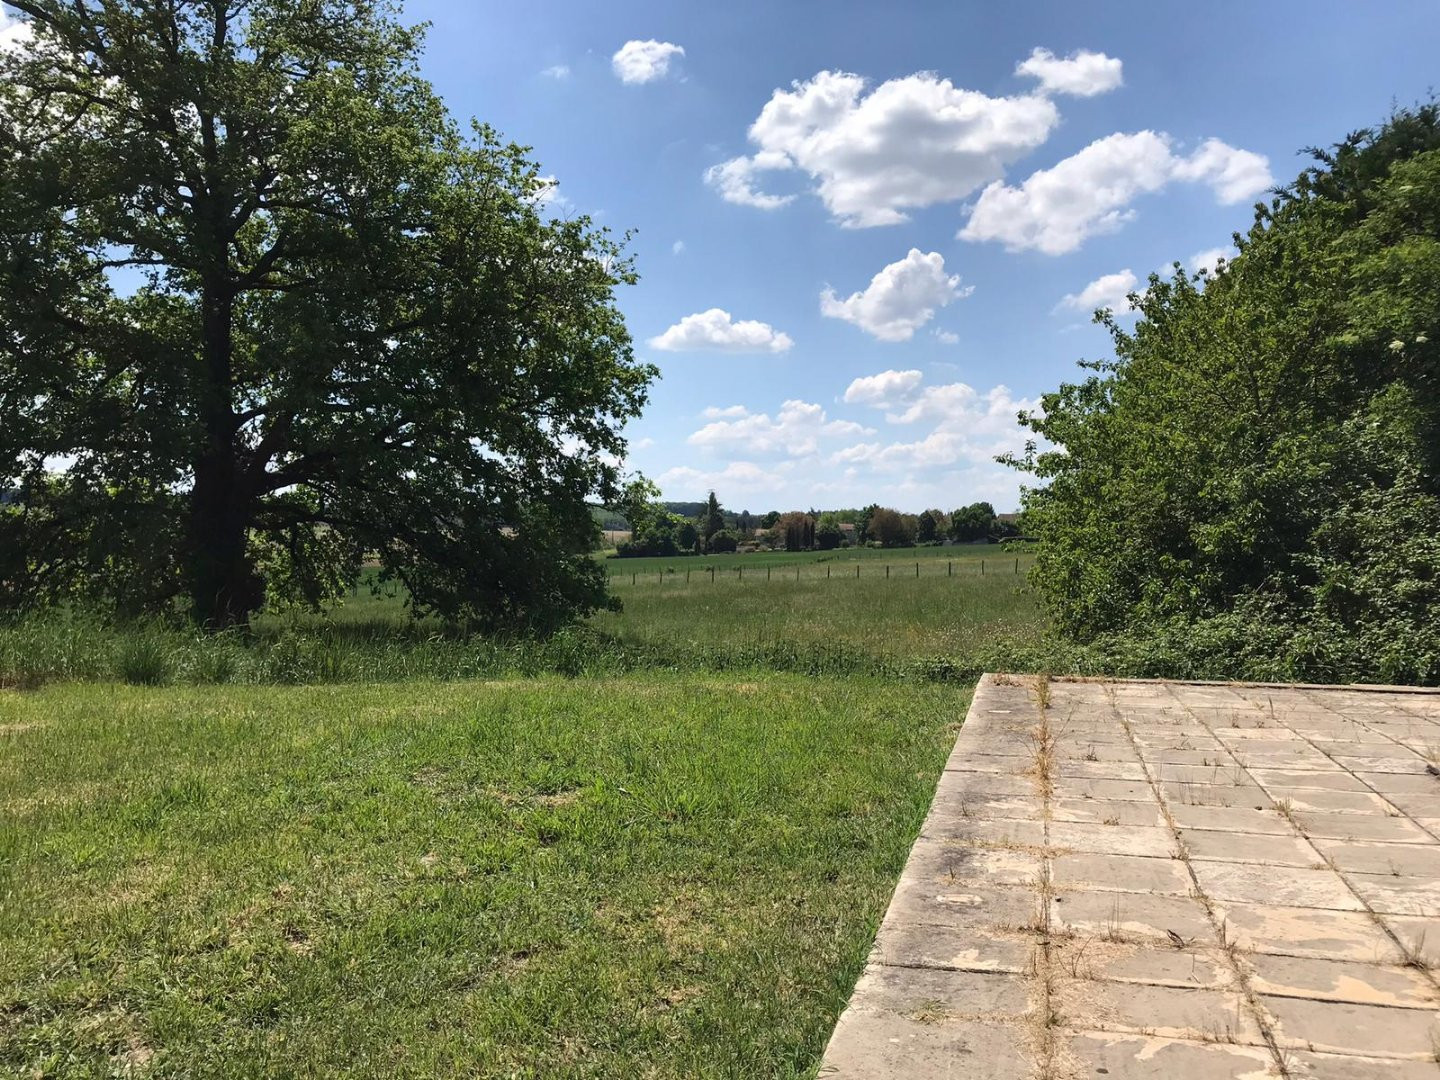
(932,629)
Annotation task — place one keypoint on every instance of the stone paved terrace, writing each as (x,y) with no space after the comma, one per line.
(1138,879)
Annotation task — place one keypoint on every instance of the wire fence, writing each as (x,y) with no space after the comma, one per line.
(870,569)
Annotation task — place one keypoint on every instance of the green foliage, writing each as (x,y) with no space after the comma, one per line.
(1257,473)
(353,332)
(711,520)
(890,528)
(797,531)
(722,542)
(973,522)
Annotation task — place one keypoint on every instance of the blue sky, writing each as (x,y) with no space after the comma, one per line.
(905,142)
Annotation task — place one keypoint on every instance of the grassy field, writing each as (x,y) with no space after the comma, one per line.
(656,876)
(901,617)
(934,625)
(840,562)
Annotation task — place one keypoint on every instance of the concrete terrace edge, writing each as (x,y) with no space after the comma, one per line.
(1367,688)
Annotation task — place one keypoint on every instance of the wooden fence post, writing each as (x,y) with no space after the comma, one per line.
(767,572)
(827,571)
(857,569)
(982,567)
(632,579)
(1017,566)
(949,569)
(712,575)
(917,569)
(887,571)
(687,577)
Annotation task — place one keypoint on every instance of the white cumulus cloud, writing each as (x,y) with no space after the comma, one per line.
(965,426)
(909,143)
(797,429)
(1236,175)
(900,299)
(735,180)
(644,61)
(1107,291)
(1058,209)
(715,331)
(557,71)
(884,389)
(737,478)
(946,337)
(1083,73)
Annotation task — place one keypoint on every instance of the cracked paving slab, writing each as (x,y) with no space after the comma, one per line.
(1189,880)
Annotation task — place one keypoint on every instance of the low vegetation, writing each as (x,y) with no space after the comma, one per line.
(665,875)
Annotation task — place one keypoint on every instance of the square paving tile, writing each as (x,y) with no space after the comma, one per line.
(1373,857)
(1120,873)
(1287,885)
(1205,873)
(1300,931)
(1264,848)
(1117,1056)
(1342,980)
(1356,1029)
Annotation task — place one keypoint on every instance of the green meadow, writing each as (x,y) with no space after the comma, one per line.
(349,843)
(665,875)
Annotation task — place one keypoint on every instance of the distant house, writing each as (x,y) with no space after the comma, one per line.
(1008,519)
(848,528)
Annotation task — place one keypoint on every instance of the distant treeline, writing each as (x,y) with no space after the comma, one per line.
(664,528)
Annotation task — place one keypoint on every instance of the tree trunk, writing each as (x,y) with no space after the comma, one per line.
(224,588)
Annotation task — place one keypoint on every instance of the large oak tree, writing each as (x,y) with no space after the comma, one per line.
(265,309)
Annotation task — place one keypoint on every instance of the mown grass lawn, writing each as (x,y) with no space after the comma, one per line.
(660,876)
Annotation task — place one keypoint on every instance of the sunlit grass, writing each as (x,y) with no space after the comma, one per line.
(655,876)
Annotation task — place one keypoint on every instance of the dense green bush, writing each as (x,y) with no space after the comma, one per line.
(1252,485)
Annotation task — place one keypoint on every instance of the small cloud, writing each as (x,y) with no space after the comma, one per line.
(735,180)
(557,71)
(715,331)
(1107,291)
(798,428)
(728,412)
(644,61)
(886,388)
(945,337)
(677,248)
(900,299)
(1082,74)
